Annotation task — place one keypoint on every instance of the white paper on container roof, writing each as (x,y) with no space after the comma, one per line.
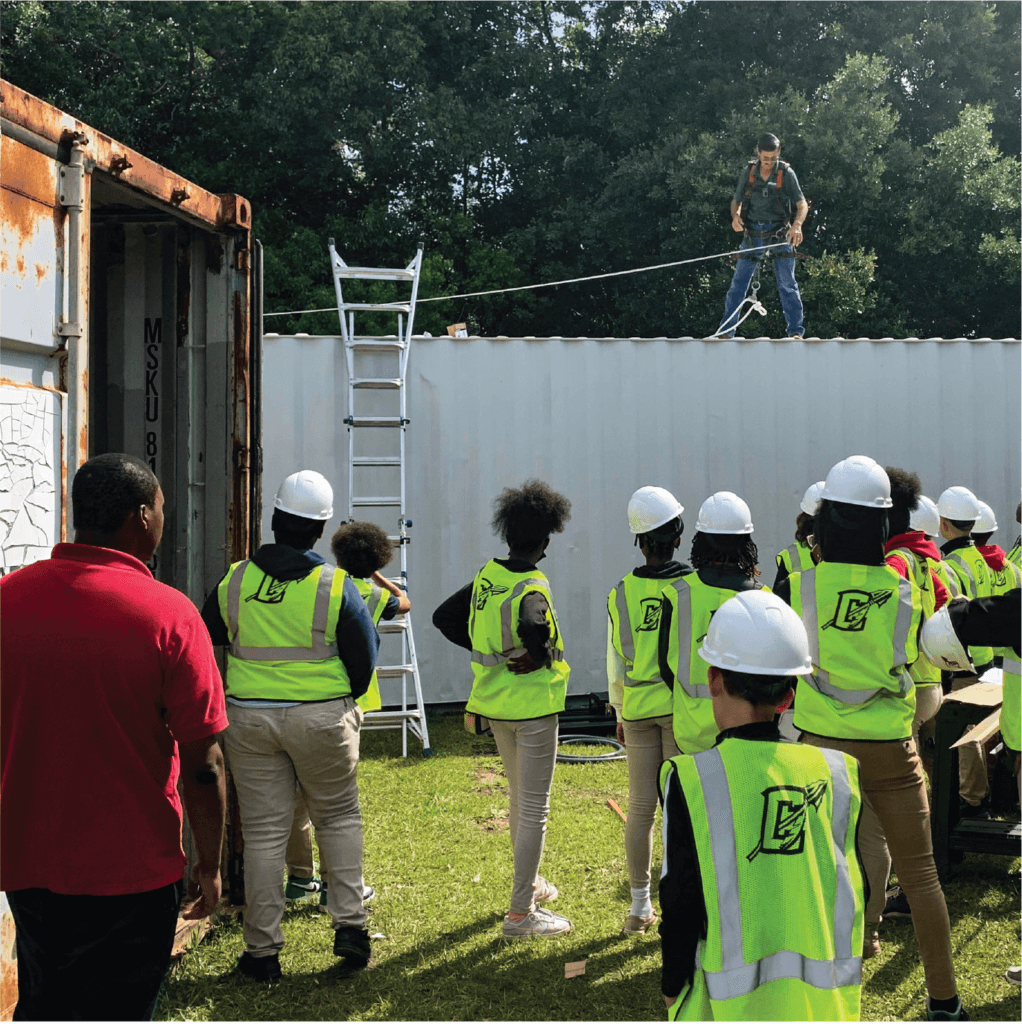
(598,418)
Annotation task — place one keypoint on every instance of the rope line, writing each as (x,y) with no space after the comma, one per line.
(554,284)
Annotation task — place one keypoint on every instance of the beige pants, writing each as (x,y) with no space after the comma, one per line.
(891,777)
(528,749)
(649,743)
(269,749)
(300,861)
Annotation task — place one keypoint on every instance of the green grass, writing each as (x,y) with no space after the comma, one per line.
(438,855)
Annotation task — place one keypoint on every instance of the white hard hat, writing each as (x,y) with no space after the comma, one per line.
(958,503)
(986,522)
(724,512)
(925,517)
(650,507)
(941,645)
(755,631)
(811,499)
(858,480)
(306,494)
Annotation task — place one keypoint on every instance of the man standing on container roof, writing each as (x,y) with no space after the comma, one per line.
(110,689)
(301,650)
(767,207)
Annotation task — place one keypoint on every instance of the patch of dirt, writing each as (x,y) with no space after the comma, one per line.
(497,823)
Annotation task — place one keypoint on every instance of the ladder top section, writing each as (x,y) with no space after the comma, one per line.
(370,273)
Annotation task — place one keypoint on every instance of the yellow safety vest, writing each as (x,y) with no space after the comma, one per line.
(863,624)
(634,606)
(921,670)
(774,827)
(795,557)
(692,606)
(376,599)
(283,634)
(1011,699)
(497,595)
(1015,553)
(974,580)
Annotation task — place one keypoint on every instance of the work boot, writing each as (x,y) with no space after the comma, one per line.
(259,968)
(353,945)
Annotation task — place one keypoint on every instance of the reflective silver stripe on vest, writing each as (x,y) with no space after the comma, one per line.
(820,680)
(507,632)
(958,560)
(684,616)
(1012,665)
(624,623)
(841,812)
(794,559)
(902,628)
(737,978)
(320,649)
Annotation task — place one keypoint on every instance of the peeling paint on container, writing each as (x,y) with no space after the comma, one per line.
(8,962)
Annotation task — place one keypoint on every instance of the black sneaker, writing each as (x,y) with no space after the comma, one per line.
(957,1014)
(259,968)
(897,904)
(977,812)
(353,945)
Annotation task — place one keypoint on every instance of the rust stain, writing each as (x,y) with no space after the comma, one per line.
(127,165)
(27,172)
(41,271)
(8,966)
(20,264)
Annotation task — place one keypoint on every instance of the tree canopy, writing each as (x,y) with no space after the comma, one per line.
(544,140)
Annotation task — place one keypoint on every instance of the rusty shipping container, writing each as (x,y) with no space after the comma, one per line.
(130,301)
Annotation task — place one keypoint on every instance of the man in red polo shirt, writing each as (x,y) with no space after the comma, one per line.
(110,691)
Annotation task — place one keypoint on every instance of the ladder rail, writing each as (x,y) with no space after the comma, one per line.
(408,718)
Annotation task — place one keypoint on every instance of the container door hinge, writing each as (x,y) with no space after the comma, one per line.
(66,330)
(72,186)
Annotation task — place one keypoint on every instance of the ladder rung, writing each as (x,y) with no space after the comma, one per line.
(393,626)
(378,307)
(373,274)
(362,502)
(376,460)
(377,382)
(375,421)
(395,542)
(411,715)
(393,671)
(376,345)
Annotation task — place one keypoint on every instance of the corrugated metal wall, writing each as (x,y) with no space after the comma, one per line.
(597,418)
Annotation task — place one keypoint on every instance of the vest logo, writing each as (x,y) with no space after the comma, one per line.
(853,606)
(651,608)
(270,591)
(783,830)
(486,591)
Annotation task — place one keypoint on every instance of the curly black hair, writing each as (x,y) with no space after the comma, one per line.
(905,490)
(728,548)
(804,525)
(361,548)
(524,517)
(109,488)
(755,688)
(659,543)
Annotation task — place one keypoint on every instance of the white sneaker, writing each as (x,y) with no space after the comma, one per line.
(1014,975)
(544,891)
(540,922)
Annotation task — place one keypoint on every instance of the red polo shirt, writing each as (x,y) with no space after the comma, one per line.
(103,669)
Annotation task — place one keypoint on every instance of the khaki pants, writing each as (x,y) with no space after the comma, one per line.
(528,749)
(891,777)
(269,749)
(649,743)
(300,862)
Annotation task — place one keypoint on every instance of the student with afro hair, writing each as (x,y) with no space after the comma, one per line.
(506,618)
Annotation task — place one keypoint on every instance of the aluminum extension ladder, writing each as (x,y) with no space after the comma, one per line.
(377,410)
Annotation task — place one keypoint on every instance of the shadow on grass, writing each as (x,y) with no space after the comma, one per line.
(452,976)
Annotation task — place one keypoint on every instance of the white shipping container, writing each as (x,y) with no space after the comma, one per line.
(598,418)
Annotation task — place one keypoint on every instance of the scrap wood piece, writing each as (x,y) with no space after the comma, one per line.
(573,970)
(183,935)
(612,804)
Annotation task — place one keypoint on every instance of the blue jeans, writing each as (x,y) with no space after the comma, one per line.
(787,287)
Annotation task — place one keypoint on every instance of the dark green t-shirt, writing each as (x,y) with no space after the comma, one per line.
(762,205)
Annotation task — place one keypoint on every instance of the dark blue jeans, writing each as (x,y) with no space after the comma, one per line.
(92,957)
(787,287)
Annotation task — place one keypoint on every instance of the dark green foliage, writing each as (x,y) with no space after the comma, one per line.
(537,141)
